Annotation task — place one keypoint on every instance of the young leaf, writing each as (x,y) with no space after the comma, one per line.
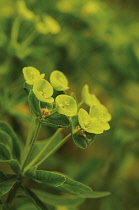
(51,178)
(38,203)
(66,105)
(13,164)
(17,144)
(59,81)
(31,75)
(80,141)
(6,186)
(43,91)
(34,104)
(56,120)
(59,200)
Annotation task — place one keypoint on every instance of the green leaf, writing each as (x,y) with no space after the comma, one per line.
(27,87)
(46,105)
(51,178)
(13,164)
(56,120)
(31,75)
(2,177)
(80,141)
(43,91)
(59,80)
(6,139)
(82,193)
(82,190)
(6,186)
(90,136)
(66,105)
(34,104)
(4,151)
(58,200)
(17,144)
(38,203)
(75,183)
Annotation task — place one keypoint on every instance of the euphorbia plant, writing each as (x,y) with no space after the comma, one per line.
(52,107)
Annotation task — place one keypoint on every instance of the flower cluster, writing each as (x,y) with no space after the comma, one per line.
(63,109)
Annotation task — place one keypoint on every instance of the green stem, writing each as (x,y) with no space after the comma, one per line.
(80,104)
(49,148)
(33,134)
(32,36)
(14,31)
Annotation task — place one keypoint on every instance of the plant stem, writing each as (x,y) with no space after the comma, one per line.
(80,104)
(33,134)
(14,31)
(31,37)
(49,148)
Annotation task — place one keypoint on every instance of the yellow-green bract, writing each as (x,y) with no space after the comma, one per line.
(47,24)
(66,105)
(96,121)
(89,99)
(59,80)
(31,75)
(43,91)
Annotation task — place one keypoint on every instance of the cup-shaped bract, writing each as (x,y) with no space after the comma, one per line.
(24,12)
(100,112)
(43,91)
(90,125)
(59,80)
(66,105)
(31,75)
(87,98)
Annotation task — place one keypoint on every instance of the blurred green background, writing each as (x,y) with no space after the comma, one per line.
(94,42)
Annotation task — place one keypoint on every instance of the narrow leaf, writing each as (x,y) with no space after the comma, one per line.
(13,164)
(58,200)
(75,183)
(6,139)
(4,151)
(17,144)
(56,120)
(38,203)
(80,141)
(34,104)
(51,178)
(6,186)
(82,193)
(2,177)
